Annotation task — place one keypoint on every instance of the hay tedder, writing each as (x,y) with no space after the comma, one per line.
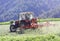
(26,21)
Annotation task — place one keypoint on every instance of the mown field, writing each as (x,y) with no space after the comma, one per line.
(45,33)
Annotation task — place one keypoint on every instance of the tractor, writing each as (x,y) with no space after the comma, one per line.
(26,21)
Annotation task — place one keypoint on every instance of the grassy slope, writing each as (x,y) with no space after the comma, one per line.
(25,37)
(49,19)
(4,23)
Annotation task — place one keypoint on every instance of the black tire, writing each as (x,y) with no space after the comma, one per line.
(12,28)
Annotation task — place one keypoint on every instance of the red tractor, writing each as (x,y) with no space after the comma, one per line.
(26,21)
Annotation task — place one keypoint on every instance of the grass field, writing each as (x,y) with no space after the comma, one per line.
(39,34)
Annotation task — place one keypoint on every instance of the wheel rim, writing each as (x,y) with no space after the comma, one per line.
(12,28)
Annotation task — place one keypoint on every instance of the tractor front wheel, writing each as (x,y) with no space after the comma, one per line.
(12,28)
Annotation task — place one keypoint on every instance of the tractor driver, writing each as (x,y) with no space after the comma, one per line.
(28,17)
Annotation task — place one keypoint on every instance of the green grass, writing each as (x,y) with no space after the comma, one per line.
(49,19)
(6,36)
(30,38)
(4,23)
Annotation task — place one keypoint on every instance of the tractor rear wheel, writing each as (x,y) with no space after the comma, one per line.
(12,28)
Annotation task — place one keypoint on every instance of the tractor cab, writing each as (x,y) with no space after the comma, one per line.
(26,16)
(26,19)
